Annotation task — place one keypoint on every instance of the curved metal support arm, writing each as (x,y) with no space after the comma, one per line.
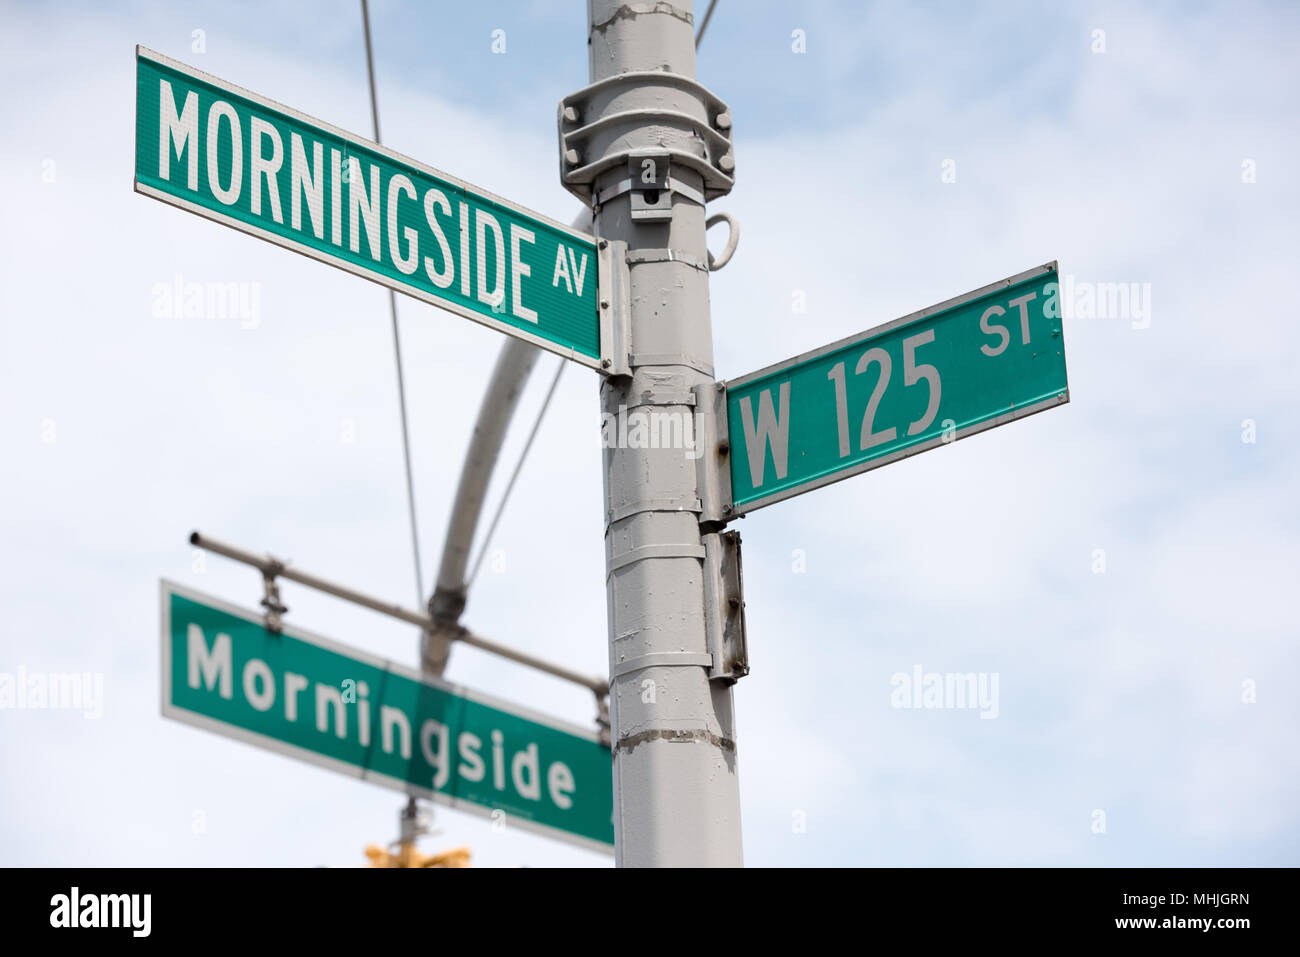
(500,399)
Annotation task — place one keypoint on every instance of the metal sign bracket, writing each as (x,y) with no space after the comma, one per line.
(724,607)
(615,299)
(275,609)
(714,462)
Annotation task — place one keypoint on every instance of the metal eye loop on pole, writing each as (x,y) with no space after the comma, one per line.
(732,239)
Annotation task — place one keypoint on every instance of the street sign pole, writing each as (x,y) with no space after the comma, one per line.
(646,146)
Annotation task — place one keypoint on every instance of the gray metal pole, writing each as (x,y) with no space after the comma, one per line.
(676,792)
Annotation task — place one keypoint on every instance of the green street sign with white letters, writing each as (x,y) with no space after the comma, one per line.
(306,696)
(240,159)
(980,360)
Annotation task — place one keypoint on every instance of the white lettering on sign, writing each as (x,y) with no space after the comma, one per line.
(579,270)
(772,429)
(989,328)
(437,758)
(464,249)
(409,263)
(559,781)
(214,665)
(570,270)
(229,195)
(267,167)
(395,719)
(372,203)
(525,775)
(561,269)
(336,198)
(442,278)
(183,130)
(869,438)
(327,698)
(294,685)
(518,269)
(211,669)
(363,208)
(306,182)
(1023,303)
(485,222)
(913,373)
(259,686)
(471,766)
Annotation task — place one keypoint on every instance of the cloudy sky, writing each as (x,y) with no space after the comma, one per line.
(1125,565)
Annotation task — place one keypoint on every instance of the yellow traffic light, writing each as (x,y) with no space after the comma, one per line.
(406,855)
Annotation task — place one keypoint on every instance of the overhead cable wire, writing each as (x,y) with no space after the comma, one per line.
(704,24)
(397,338)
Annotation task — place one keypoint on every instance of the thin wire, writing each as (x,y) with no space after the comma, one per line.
(704,25)
(397,339)
(505,496)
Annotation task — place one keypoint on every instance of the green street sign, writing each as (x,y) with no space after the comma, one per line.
(980,360)
(243,160)
(310,698)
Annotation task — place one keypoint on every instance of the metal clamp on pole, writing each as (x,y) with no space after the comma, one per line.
(724,606)
(275,610)
(693,129)
(602,719)
(651,186)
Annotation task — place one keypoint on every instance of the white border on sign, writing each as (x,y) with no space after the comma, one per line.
(168,588)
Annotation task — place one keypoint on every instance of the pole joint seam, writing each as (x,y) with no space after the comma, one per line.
(637,256)
(674,736)
(643,552)
(670,359)
(653,397)
(627,185)
(684,504)
(663,659)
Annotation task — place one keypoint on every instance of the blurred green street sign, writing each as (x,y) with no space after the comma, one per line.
(243,160)
(965,365)
(310,698)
